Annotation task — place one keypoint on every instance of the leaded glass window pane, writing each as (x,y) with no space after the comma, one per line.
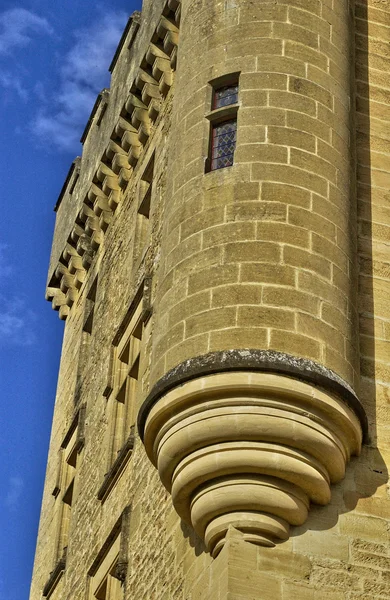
(226,96)
(224,145)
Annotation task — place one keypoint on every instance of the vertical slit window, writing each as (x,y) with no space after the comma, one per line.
(90,307)
(225,96)
(143,212)
(64,493)
(223,124)
(126,373)
(108,571)
(223,145)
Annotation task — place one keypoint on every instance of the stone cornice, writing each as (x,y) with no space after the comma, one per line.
(267,361)
(250,450)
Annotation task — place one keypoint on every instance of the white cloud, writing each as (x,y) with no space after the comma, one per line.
(83,75)
(13,84)
(14,492)
(16,318)
(89,58)
(15,322)
(17,26)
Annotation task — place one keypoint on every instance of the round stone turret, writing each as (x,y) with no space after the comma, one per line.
(258,257)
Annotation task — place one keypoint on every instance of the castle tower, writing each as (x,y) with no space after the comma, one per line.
(221,261)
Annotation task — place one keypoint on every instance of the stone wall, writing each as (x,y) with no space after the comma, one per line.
(263,255)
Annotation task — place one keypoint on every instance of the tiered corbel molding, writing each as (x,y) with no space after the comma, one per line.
(131,134)
(250,449)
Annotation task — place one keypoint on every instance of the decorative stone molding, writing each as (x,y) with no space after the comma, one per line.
(152,83)
(250,450)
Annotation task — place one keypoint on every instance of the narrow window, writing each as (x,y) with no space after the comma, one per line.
(64,493)
(71,448)
(225,96)
(143,212)
(90,307)
(108,571)
(105,585)
(223,144)
(121,392)
(127,368)
(223,132)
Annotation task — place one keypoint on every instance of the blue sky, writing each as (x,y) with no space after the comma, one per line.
(54,57)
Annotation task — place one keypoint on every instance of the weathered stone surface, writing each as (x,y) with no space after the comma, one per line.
(283,257)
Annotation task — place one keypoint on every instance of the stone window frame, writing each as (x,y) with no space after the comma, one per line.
(142,229)
(107,574)
(221,115)
(90,306)
(65,490)
(117,458)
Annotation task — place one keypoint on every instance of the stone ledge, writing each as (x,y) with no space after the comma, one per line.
(265,361)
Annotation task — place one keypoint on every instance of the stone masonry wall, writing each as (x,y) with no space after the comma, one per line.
(261,255)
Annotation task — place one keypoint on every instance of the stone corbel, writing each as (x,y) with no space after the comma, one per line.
(168,32)
(114,199)
(134,155)
(122,168)
(166,82)
(130,139)
(82,243)
(119,162)
(71,296)
(161,68)
(58,301)
(137,110)
(158,59)
(113,149)
(104,171)
(110,182)
(76,233)
(105,219)
(97,239)
(250,449)
(122,126)
(73,259)
(66,279)
(144,131)
(63,312)
(148,87)
(124,178)
(92,226)
(98,199)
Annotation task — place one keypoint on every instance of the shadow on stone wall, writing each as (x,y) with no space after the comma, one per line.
(367,473)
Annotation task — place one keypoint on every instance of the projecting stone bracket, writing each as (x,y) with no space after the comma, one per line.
(249,449)
(135,124)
